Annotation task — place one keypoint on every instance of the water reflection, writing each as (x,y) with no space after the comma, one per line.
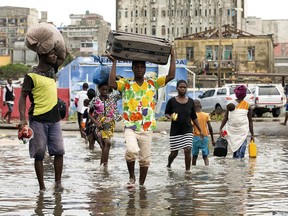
(252,186)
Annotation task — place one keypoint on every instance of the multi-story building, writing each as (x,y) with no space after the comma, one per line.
(240,52)
(14,23)
(87,34)
(176,18)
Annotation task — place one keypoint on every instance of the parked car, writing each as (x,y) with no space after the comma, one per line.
(268,98)
(217,98)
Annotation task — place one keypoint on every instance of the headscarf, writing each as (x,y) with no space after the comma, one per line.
(240,91)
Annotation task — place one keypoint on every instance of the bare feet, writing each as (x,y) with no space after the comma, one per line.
(131,183)
(58,186)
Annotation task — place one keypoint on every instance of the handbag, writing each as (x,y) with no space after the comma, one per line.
(220,148)
(252,149)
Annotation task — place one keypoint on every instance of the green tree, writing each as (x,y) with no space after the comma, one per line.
(14,71)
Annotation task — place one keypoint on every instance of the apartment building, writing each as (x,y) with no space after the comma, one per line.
(175,18)
(14,23)
(87,34)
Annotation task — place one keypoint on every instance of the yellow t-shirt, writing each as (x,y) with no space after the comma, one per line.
(203,118)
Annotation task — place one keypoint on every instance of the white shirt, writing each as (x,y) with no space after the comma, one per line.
(81,95)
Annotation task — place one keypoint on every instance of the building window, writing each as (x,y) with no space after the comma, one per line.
(228,12)
(195,12)
(126,28)
(153,12)
(119,14)
(136,30)
(153,30)
(251,53)
(208,53)
(145,30)
(163,13)
(172,13)
(163,30)
(228,52)
(190,53)
(145,13)
(126,13)
(136,13)
(131,13)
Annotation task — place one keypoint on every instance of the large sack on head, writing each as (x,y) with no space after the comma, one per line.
(44,37)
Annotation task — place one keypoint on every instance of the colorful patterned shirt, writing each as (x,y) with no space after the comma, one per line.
(107,108)
(139,102)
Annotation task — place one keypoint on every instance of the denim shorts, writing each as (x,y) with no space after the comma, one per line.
(200,144)
(10,106)
(46,135)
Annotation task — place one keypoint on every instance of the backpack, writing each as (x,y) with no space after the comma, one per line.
(62,108)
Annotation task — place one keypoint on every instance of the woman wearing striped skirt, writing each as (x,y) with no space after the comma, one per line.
(180,110)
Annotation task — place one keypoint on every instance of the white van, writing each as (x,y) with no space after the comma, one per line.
(217,98)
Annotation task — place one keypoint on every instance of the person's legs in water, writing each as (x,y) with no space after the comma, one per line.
(206,161)
(145,141)
(38,165)
(187,153)
(171,157)
(105,152)
(143,174)
(131,169)
(286,116)
(194,159)
(58,167)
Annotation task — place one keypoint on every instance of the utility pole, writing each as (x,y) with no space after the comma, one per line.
(220,44)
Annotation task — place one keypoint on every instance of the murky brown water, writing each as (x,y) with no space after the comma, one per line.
(227,187)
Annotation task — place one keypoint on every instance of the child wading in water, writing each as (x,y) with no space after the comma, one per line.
(198,142)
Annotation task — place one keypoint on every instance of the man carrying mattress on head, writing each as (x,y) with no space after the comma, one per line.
(44,118)
(239,123)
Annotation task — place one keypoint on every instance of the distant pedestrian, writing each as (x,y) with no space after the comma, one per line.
(286,113)
(238,123)
(8,99)
(89,126)
(84,116)
(200,143)
(79,99)
(180,109)
(139,113)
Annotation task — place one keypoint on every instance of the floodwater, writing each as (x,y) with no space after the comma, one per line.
(227,187)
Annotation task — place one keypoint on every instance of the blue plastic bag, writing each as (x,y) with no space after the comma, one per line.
(101,74)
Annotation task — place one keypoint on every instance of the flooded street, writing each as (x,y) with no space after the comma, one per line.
(227,187)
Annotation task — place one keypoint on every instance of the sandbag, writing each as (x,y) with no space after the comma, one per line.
(101,73)
(44,37)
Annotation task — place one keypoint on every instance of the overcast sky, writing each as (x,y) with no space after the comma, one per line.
(58,11)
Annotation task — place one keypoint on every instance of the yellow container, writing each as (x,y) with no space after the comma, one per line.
(252,149)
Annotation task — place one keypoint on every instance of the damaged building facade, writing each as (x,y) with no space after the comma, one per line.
(240,52)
